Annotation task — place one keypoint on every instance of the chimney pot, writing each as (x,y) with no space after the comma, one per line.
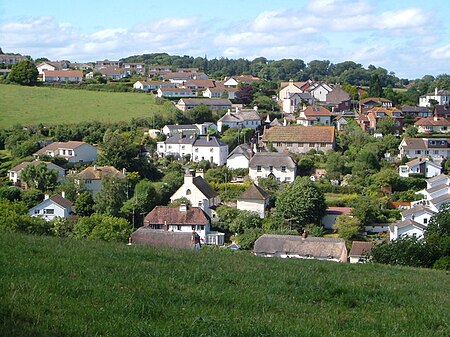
(46,196)
(63,194)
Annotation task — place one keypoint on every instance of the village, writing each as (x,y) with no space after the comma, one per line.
(318,175)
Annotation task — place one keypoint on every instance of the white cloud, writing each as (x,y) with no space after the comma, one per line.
(403,19)
(441,53)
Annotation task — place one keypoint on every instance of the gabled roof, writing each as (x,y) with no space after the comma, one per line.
(205,101)
(360,248)
(415,143)
(375,100)
(97,172)
(406,223)
(432,121)
(436,178)
(275,159)
(322,248)
(439,93)
(209,141)
(440,200)
(173,216)
(63,202)
(63,73)
(315,110)
(71,145)
(240,116)
(416,209)
(24,164)
(415,109)
(244,149)
(254,192)
(204,187)
(300,134)
(179,138)
(184,127)
(418,161)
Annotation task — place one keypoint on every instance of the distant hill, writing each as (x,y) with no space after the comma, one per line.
(63,287)
(33,105)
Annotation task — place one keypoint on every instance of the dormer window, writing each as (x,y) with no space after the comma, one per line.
(188,192)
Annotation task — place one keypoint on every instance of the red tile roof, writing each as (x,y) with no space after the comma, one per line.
(315,110)
(300,134)
(432,121)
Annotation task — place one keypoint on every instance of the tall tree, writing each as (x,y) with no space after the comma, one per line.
(375,88)
(39,177)
(112,196)
(24,73)
(301,202)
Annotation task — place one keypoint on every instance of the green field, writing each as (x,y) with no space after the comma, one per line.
(62,287)
(32,105)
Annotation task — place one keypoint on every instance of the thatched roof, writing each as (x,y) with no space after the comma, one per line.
(160,238)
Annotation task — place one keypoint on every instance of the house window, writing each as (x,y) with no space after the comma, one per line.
(211,149)
(427,152)
(36,211)
(417,151)
(287,179)
(169,147)
(70,152)
(193,227)
(270,168)
(279,144)
(200,227)
(155,226)
(196,150)
(278,180)
(183,147)
(311,144)
(258,168)
(283,168)
(188,192)
(425,221)
(322,144)
(88,181)
(179,227)
(49,211)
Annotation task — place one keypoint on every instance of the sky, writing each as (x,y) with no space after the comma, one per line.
(408,37)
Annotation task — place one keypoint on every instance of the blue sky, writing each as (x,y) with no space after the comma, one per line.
(408,37)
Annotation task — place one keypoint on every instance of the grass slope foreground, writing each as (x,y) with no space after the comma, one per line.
(63,287)
(33,105)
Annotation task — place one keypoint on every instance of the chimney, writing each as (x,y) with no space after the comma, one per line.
(255,108)
(285,122)
(304,235)
(237,109)
(291,82)
(200,173)
(63,194)
(46,196)
(95,168)
(435,91)
(268,118)
(183,207)
(229,112)
(207,138)
(124,171)
(166,227)
(189,176)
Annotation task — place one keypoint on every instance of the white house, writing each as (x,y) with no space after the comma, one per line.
(51,66)
(279,166)
(56,206)
(176,92)
(197,147)
(91,177)
(437,149)
(295,101)
(201,129)
(420,166)
(433,124)
(247,118)
(240,157)
(254,199)
(441,96)
(313,115)
(15,172)
(340,123)
(320,90)
(198,192)
(220,92)
(414,222)
(62,76)
(329,219)
(134,68)
(360,251)
(73,151)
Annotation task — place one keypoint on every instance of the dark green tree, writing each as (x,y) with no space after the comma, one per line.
(301,202)
(375,88)
(24,73)
(112,196)
(40,177)
(84,205)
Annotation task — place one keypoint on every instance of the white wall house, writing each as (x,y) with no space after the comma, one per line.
(420,166)
(280,166)
(220,92)
(198,192)
(62,76)
(254,199)
(52,207)
(437,149)
(414,223)
(313,115)
(240,157)
(320,90)
(91,177)
(248,118)
(176,92)
(441,96)
(433,124)
(73,151)
(15,172)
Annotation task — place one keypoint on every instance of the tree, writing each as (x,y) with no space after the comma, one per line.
(335,165)
(24,73)
(375,88)
(244,95)
(117,150)
(40,177)
(84,204)
(245,220)
(201,114)
(112,196)
(102,227)
(386,126)
(347,227)
(365,209)
(301,202)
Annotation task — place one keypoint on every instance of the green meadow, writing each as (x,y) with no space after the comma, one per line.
(62,287)
(33,105)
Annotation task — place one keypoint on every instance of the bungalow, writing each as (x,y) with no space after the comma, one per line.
(91,177)
(442,97)
(329,219)
(146,235)
(413,223)
(15,172)
(56,206)
(106,63)
(62,76)
(235,80)
(360,251)
(247,118)
(198,84)
(51,66)
(313,115)
(152,85)
(291,246)
(113,73)
(176,92)
(433,125)
(185,104)
(240,157)
(73,151)
(299,138)
(220,92)
(422,166)
(254,199)
(279,166)
(198,192)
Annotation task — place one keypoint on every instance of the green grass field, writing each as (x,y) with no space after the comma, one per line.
(62,287)
(32,105)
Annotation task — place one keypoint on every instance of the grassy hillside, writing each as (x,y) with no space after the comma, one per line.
(62,287)
(32,105)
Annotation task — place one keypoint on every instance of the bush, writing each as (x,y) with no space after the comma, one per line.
(102,227)
(443,263)
(247,239)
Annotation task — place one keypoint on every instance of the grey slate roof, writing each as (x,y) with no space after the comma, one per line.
(240,116)
(204,187)
(254,192)
(418,161)
(271,159)
(416,209)
(243,149)
(437,188)
(441,199)
(180,139)
(209,141)
(436,178)
(314,247)
(176,127)
(406,223)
